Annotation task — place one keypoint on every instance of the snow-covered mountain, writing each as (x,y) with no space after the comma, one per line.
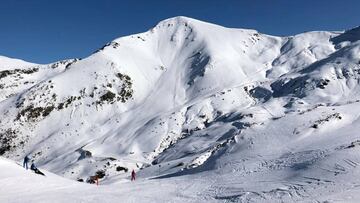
(227,109)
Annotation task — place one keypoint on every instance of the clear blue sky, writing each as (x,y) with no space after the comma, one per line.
(44,31)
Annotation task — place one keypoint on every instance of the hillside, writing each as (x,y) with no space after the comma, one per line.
(189,101)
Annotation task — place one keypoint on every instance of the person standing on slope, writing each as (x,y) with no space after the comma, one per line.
(133,175)
(26,160)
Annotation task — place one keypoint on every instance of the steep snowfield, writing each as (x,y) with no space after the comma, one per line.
(190,104)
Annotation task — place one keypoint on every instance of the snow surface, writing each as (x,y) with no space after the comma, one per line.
(11,63)
(203,113)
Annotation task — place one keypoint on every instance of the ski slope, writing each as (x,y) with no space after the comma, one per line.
(20,185)
(203,113)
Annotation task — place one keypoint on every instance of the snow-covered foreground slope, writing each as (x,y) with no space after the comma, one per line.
(205,112)
(20,185)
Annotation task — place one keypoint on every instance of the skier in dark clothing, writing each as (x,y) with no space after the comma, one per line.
(36,170)
(26,160)
(133,175)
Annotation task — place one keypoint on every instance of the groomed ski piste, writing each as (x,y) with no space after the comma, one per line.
(201,112)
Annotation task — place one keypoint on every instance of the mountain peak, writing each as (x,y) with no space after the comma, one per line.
(179,19)
(186,21)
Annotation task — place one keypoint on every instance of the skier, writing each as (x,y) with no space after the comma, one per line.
(36,170)
(26,160)
(133,174)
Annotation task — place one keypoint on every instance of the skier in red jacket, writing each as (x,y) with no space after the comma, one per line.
(133,174)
